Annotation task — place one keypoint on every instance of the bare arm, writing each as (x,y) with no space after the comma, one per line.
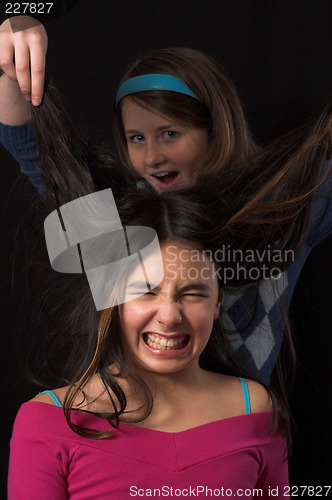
(23,46)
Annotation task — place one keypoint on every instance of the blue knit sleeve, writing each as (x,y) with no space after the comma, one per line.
(20,142)
(322,213)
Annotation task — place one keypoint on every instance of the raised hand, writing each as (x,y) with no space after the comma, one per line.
(23,46)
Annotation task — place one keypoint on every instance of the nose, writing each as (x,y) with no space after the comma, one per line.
(168,314)
(154,156)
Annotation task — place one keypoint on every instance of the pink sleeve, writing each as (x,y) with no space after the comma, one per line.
(37,464)
(273,479)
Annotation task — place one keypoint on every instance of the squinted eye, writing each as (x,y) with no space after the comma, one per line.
(194,295)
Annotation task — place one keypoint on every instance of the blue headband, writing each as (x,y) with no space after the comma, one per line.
(144,83)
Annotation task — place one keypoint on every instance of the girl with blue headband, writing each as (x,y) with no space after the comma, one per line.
(178,122)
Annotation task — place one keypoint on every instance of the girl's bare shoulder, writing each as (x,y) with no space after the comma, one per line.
(259,397)
(45,397)
(92,391)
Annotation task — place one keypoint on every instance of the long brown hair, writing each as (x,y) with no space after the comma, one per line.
(71,166)
(264,198)
(183,219)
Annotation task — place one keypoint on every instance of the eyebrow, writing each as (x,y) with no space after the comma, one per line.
(193,286)
(139,285)
(162,127)
(142,285)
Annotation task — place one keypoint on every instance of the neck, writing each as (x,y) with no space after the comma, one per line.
(172,386)
(171,392)
(180,400)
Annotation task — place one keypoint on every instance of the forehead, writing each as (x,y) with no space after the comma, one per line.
(132,112)
(177,266)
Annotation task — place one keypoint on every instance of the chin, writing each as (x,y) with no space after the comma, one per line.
(164,370)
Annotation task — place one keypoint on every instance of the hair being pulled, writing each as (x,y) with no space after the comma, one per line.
(71,166)
(264,198)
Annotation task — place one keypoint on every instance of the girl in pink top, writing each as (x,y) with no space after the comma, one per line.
(158,405)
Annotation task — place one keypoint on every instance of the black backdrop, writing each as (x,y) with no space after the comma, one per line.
(279,56)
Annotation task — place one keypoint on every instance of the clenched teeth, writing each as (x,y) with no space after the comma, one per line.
(157,342)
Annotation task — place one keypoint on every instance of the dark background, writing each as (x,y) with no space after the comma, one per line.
(279,56)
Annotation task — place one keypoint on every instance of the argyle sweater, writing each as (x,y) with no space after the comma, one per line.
(256,337)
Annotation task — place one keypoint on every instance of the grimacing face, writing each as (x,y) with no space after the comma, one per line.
(166,329)
(166,153)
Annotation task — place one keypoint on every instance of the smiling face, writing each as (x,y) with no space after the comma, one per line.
(166,329)
(165,152)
